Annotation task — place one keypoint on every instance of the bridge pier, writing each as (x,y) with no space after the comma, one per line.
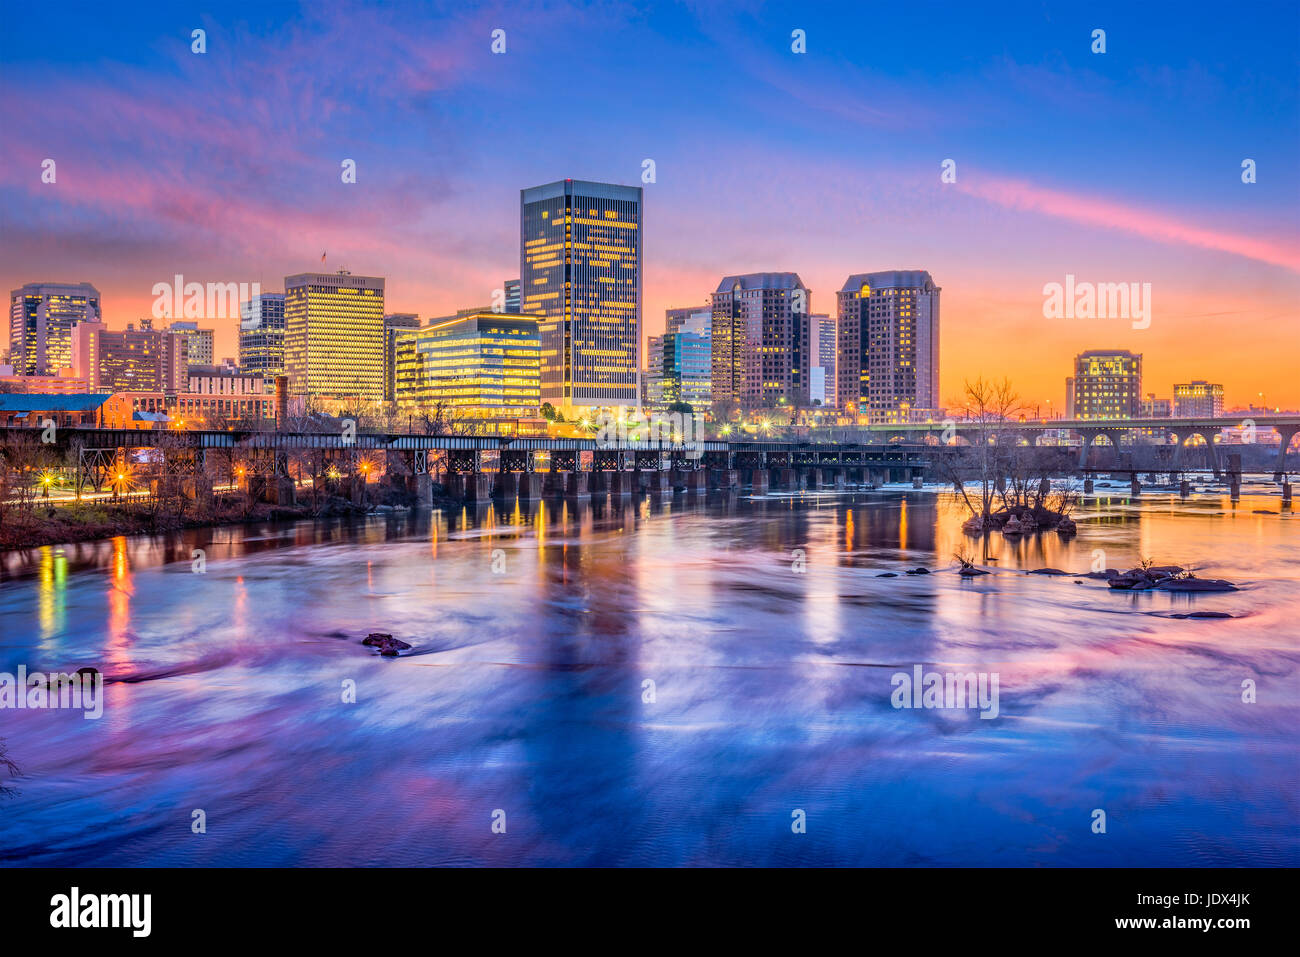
(577,484)
(759,481)
(1285,433)
(553,484)
(1286,494)
(471,486)
(726,479)
(655,481)
(1134,486)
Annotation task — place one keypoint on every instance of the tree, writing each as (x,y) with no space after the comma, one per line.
(8,767)
(548,412)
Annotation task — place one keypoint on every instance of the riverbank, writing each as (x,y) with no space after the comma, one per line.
(98,521)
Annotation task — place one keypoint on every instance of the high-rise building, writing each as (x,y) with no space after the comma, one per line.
(512,296)
(1107,384)
(394,324)
(202,342)
(887,358)
(761,350)
(261,334)
(334,335)
(824,346)
(485,365)
(130,359)
(580,269)
(1198,399)
(41,317)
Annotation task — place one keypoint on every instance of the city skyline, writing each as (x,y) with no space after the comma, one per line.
(1132,184)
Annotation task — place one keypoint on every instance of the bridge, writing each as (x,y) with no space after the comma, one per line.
(270,464)
(1113,430)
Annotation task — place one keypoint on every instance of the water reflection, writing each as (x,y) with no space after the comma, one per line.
(660,681)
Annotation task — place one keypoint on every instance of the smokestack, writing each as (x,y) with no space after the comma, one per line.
(281,400)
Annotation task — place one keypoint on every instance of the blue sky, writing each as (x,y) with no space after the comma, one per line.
(1119,166)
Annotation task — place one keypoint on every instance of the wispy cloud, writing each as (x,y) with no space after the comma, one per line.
(1105,213)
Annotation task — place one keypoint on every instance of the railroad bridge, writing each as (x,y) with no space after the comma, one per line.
(271,464)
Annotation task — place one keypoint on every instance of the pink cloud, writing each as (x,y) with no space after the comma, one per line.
(1109,214)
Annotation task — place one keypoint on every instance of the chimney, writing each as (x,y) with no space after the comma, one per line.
(281,400)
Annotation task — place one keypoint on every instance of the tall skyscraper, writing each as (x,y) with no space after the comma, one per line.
(41,317)
(485,364)
(1107,384)
(762,343)
(261,334)
(1198,400)
(334,335)
(394,324)
(580,269)
(887,359)
(512,296)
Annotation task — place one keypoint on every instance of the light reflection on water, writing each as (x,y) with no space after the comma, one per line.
(526,690)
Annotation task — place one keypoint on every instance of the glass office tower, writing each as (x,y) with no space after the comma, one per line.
(580,270)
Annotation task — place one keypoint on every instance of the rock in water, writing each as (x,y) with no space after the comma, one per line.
(387,644)
(1195,584)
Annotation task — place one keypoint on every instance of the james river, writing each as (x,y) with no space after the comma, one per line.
(770,642)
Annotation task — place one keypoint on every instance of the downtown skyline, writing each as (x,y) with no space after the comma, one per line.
(831,166)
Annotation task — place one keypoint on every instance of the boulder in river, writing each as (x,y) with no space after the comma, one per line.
(1047,571)
(387,644)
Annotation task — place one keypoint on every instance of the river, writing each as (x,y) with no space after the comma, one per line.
(681,683)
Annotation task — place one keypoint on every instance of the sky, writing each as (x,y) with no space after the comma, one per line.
(1122,166)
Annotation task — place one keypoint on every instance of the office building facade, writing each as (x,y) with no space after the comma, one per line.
(825,345)
(887,353)
(1107,384)
(261,334)
(580,270)
(202,342)
(761,348)
(334,336)
(130,359)
(1198,400)
(41,318)
(395,323)
(481,365)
